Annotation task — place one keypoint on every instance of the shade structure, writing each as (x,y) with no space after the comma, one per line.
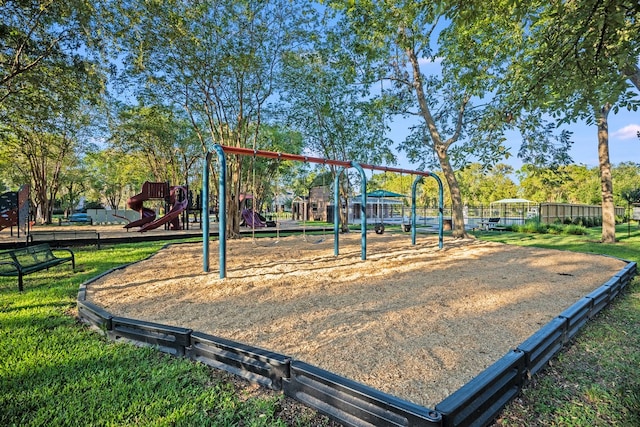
(384,193)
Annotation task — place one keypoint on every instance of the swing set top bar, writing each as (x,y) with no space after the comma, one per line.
(286,156)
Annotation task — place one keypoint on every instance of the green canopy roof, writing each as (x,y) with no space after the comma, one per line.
(384,193)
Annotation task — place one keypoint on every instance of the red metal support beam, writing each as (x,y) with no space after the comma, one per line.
(298,157)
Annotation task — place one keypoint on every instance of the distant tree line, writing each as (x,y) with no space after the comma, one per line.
(97,97)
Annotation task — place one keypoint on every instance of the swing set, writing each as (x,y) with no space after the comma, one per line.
(222,151)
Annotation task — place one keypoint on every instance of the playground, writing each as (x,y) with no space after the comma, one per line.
(413,321)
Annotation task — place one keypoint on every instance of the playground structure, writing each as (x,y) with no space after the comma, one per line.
(175,205)
(349,401)
(381,209)
(342,166)
(14,210)
(251,218)
(255,220)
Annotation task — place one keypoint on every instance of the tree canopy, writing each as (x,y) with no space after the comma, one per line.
(575,60)
(325,78)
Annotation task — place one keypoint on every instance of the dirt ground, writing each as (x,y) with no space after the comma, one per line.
(413,321)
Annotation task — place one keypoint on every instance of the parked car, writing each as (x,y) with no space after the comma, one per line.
(80,217)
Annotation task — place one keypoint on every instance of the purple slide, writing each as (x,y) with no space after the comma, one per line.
(252,219)
(172,216)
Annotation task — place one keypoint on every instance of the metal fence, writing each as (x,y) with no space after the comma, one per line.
(509,213)
(518,213)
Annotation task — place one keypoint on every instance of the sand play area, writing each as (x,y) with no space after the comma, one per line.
(413,321)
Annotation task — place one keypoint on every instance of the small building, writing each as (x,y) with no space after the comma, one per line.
(319,199)
(312,207)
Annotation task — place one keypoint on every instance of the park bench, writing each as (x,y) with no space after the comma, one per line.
(22,261)
(65,238)
(492,224)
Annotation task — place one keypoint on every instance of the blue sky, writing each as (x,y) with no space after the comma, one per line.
(624,144)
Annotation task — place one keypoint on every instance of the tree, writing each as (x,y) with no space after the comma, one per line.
(73,184)
(327,107)
(597,47)
(626,177)
(166,140)
(397,40)
(48,90)
(394,182)
(480,186)
(114,174)
(266,177)
(566,184)
(47,125)
(218,61)
(576,60)
(581,185)
(39,34)
(538,184)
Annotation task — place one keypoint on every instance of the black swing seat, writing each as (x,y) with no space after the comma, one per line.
(22,261)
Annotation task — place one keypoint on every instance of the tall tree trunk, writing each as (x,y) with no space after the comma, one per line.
(233,198)
(441,147)
(633,74)
(344,213)
(606,183)
(457,214)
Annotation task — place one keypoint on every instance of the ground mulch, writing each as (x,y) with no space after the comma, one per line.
(413,321)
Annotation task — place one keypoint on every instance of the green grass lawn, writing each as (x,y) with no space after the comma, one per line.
(55,371)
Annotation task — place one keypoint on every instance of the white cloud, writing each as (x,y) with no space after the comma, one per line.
(627,132)
(426,61)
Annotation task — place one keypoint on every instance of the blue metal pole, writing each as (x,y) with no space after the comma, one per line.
(222,209)
(204,217)
(440,210)
(336,211)
(414,187)
(363,208)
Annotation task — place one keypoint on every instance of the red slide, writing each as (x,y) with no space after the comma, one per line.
(171,216)
(146,215)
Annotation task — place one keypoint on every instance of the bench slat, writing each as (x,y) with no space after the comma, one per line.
(65,237)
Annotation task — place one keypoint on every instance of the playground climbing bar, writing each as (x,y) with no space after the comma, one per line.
(222,151)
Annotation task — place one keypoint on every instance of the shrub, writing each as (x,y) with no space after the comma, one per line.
(576,230)
(530,226)
(577,221)
(518,228)
(93,205)
(555,229)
